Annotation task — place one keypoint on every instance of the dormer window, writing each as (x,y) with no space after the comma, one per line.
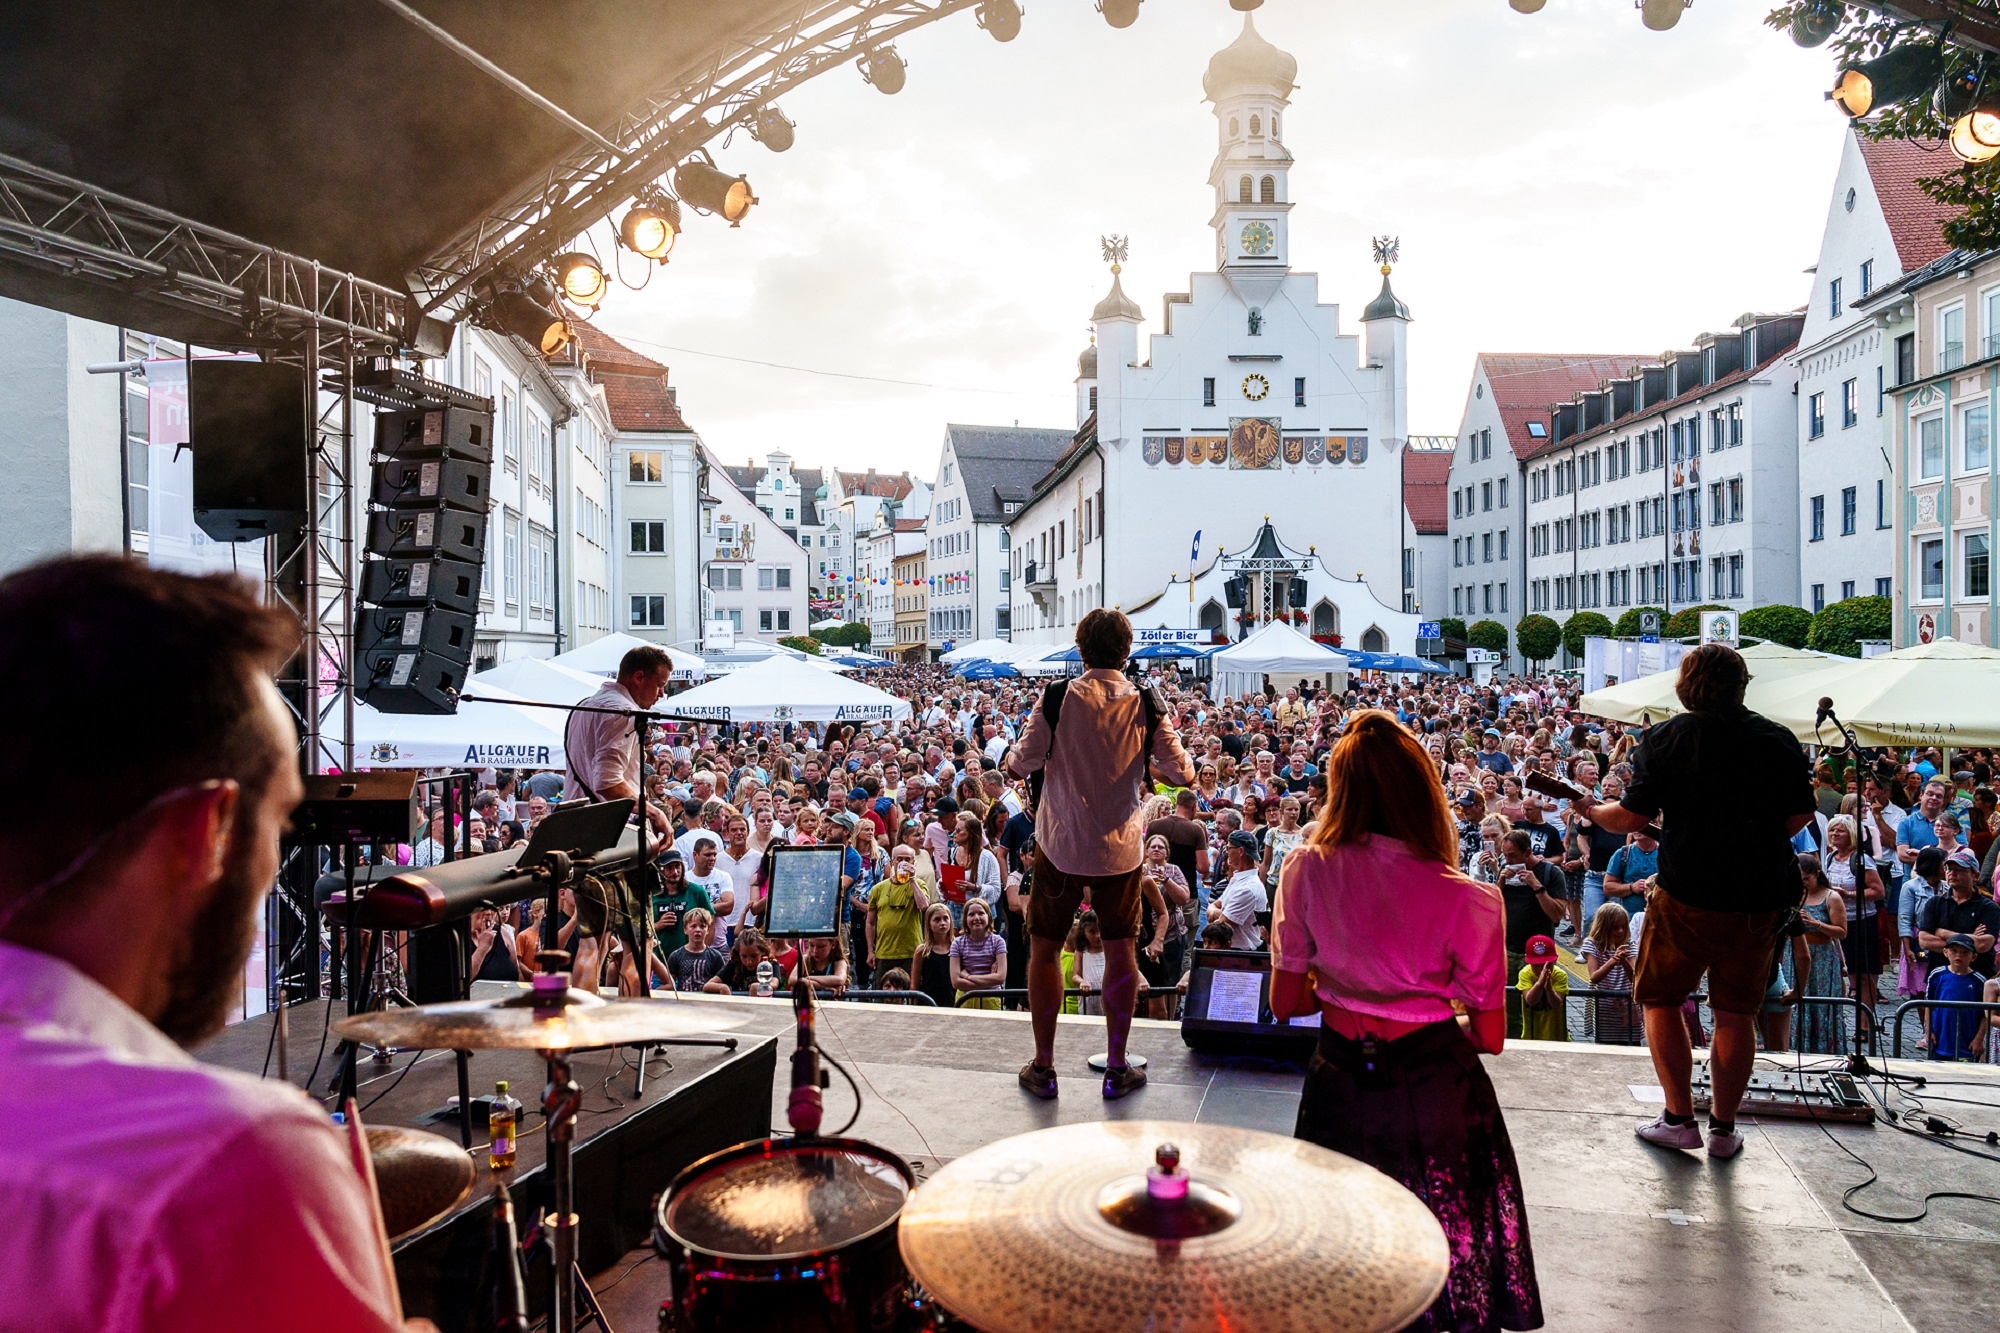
(1256,127)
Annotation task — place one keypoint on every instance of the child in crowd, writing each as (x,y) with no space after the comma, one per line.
(1084,950)
(1544,987)
(931,967)
(695,964)
(1607,951)
(1954,1032)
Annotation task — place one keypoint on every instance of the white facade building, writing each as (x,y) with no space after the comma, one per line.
(62,428)
(985,474)
(756,573)
(1879,227)
(1673,485)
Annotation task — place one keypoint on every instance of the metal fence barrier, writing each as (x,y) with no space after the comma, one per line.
(1896,1019)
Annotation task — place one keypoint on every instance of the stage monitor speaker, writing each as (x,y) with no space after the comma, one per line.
(456,432)
(1236,592)
(1298,594)
(439,481)
(247,430)
(346,808)
(422,533)
(425,629)
(450,584)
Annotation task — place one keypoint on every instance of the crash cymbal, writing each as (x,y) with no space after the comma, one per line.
(418,1176)
(1058,1232)
(518,1023)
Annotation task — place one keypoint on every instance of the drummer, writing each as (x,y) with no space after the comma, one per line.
(146,1190)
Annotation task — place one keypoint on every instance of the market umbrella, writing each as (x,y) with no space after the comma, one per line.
(601,656)
(992,650)
(988,670)
(1401,662)
(1943,693)
(1154,652)
(1648,699)
(541,679)
(786,689)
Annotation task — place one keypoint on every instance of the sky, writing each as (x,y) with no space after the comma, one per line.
(1565,181)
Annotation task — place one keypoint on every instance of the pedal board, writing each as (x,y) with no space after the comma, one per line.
(1783,1094)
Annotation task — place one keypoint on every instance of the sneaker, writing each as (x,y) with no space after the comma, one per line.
(1671,1136)
(1565,935)
(1121,1079)
(1722,1147)
(1039,1080)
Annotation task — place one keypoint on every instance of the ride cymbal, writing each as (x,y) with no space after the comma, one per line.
(519,1022)
(419,1177)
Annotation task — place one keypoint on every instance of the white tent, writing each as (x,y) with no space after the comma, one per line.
(785,689)
(1647,699)
(1944,693)
(997,650)
(538,678)
(1275,650)
(478,735)
(600,657)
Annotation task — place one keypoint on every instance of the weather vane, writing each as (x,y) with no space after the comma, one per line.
(1117,249)
(1387,250)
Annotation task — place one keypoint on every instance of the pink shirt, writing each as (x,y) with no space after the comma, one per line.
(1389,934)
(146,1191)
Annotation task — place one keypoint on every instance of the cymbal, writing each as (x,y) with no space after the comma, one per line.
(419,1177)
(582,1021)
(1056,1232)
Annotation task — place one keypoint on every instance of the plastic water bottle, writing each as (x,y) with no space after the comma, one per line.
(503,1125)
(767,978)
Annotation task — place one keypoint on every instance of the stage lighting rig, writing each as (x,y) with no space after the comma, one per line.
(651,225)
(1818,21)
(534,324)
(1897,75)
(772,128)
(1119,13)
(883,68)
(1958,91)
(706,188)
(1660,15)
(1975,136)
(1002,19)
(580,278)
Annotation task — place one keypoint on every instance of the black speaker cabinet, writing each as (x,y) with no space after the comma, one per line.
(1297,594)
(247,429)
(451,584)
(431,483)
(1236,592)
(428,532)
(456,432)
(422,628)
(409,680)
(378,807)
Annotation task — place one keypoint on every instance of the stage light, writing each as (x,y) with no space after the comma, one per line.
(1001,18)
(772,128)
(882,67)
(1958,91)
(1119,13)
(1659,15)
(1975,136)
(518,314)
(705,187)
(1897,75)
(651,226)
(1526,6)
(1818,21)
(580,278)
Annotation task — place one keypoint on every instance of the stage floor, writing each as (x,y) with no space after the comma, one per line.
(1626,1235)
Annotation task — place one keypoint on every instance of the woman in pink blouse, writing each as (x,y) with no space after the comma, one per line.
(1377,931)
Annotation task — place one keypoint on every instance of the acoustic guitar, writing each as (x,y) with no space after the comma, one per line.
(1550,785)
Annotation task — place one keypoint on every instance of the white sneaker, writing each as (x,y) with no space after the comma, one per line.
(1672,1136)
(1722,1147)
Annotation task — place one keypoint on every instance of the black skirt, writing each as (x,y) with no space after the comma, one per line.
(1428,1119)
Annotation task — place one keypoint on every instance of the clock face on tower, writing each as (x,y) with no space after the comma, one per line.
(1257,238)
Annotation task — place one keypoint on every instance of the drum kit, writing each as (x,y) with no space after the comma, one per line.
(1085,1228)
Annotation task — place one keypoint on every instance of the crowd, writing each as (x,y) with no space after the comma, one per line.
(1898,859)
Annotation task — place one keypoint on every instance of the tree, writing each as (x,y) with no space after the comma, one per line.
(1488,634)
(844,636)
(1628,624)
(1584,625)
(1537,638)
(1788,625)
(804,643)
(1453,628)
(1685,624)
(1841,626)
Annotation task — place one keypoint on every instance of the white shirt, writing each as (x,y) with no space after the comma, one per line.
(740,874)
(602,748)
(148,1192)
(1239,902)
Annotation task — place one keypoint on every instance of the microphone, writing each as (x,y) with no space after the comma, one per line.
(509,1307)
(806,1108)
(1823,712)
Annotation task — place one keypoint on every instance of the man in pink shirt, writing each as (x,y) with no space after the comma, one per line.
(147,1191)
(1088,837)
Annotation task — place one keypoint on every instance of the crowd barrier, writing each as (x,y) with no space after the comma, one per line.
(1896,1019)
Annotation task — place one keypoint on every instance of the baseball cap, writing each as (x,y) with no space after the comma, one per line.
(1961,941)
(1963,858)
(1471,798)
(1492,731)
(672,856)
(857,794)
(1541,951)
(847,819)
(1244,839)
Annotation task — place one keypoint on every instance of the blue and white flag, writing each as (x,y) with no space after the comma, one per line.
(1195,551)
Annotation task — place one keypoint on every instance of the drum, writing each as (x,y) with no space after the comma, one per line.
(786,1236)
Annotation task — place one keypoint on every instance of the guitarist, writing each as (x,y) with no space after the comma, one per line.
(1726,886)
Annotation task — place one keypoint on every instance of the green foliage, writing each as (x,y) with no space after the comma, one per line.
(1490,634)
(1537,638)
(1686,624)
(803,643)
(1628,624)
(1453,628)
(1584,625)
(1841,626)
(1788,625)
(844,636)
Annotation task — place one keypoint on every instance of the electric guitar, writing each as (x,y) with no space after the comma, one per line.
(1549,785)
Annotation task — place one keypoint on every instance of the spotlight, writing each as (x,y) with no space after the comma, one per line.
(1818,21)
(1001,18)
(703,186)
(580,279)
(1527,6)
(1897,75)
(1958,91)
(772,128)
(1975,136)
(885,69)
(1119,13)
(651,226)
(1659,15)
(518,314)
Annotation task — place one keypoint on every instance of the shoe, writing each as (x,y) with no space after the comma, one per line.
(1722,1147)
(1671,1136)
(1039,1080)
(1122,1079)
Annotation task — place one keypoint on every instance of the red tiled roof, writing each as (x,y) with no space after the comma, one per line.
(635,386)
(1916,220)
(1426,478)
(1525,383)
(881,485)
(911,524)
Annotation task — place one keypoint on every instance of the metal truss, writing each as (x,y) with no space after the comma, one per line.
(658,134)
(67,228)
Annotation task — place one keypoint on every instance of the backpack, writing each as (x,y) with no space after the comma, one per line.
(1152,707)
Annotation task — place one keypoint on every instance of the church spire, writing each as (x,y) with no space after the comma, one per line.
(1250,83)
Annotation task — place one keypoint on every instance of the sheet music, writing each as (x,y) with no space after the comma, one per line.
(1235,997)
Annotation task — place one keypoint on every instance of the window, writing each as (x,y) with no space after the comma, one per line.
(1867,276)
(649,612)
(1503,492)
(1951,338)
(1906,358)
(1848,506)
(1818,597)
(1976,430)
(1503,599)
(1298,392)
(1847,588)
(1882,587)
(649,538)
(647,467)
(764,619)
(1503,549)
(1256,127)
(1267,190)
(1850,402)
(1818,519)
(784,621)
(1881,391)
(1736,499)
(1243,190)
(1715,510)
(1715,577)
(1881,505)
(725,578)
(734,616)
(1487,597)
(1208,384)
(1093,397)
(767,579)
(1485,495)
(1815,418)
(1930,568)
(1455,544)
(1537,431)
(791,516)
(510,435)
(1978,565)
(1833,299)
(1930,447)
(510,559)
(1486,548)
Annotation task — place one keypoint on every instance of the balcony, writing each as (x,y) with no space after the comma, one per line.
(1950,356)
(1039,580)
(1990,345)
